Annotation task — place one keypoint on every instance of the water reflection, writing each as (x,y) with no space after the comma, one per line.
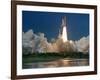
(58,63)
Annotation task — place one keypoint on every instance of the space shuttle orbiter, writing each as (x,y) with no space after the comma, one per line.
(63,29)
(63,24)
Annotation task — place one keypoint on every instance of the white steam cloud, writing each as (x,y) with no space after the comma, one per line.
(38,43)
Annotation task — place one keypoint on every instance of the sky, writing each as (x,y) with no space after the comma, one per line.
(49,23)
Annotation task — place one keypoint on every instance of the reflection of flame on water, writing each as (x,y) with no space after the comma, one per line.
(58,63)
(64,34)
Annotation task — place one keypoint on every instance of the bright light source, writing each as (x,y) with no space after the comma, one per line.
(64,34)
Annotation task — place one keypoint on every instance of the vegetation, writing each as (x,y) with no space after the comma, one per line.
(41,57)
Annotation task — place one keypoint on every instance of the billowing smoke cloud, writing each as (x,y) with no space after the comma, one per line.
(38,43)
(83,44)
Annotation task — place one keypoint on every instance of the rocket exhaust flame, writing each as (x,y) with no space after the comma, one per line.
(64,34)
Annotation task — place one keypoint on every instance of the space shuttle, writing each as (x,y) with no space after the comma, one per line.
(63,24)
(63,28)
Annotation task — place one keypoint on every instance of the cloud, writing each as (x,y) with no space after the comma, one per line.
(38,43)
(26,38)
(83,44)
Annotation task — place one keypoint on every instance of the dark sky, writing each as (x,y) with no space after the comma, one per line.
(49,23)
